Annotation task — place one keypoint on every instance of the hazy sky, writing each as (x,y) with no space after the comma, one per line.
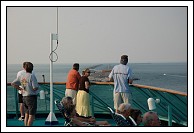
(97,34)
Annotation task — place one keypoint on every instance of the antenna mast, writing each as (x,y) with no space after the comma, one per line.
(51,119)
(57,24)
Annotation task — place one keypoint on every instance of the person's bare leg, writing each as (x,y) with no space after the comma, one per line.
(26,119)
(30,120)
(22,109)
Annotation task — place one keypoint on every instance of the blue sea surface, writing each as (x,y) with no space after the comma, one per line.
(172,76)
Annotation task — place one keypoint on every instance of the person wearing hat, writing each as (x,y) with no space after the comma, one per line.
(121,75)
(72,83)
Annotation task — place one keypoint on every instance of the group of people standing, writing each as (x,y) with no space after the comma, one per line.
(77,90)
(77,87)
(27,86)
(77,99)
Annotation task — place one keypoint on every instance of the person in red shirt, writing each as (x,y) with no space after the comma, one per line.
(72,83)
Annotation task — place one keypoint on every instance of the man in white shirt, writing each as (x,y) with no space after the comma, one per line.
(20,97)
(29,89)
(122,76)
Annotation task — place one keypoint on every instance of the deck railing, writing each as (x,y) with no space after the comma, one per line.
(172,107)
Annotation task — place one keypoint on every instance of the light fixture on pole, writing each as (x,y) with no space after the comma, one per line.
(152,103)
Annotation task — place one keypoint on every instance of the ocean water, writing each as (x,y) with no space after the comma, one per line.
(172,76)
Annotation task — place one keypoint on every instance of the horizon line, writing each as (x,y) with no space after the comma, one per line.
(106,63)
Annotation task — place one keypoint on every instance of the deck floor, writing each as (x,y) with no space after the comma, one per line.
(40,122)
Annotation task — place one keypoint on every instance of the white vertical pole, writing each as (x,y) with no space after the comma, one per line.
(51,73)
(51,119)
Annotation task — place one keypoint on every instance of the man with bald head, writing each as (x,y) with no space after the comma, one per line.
(151,119)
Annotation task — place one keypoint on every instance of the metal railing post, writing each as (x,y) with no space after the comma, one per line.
(16,102)
(92,105)
(169,115)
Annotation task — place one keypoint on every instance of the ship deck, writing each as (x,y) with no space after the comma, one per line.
(172,109)
(40,122)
